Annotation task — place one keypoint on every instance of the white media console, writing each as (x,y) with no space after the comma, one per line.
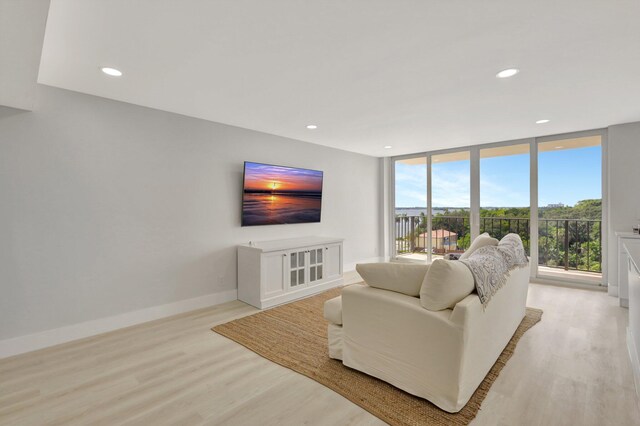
(279,271)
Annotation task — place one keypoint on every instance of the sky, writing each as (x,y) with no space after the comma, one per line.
(564,176)
(264,176)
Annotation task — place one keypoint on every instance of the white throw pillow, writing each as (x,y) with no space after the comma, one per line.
(445,284)
(403,278)
(480,241)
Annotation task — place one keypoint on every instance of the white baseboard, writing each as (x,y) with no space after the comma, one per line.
(612,290)
(56,336)
(352,266)
(567,284)
(635,361)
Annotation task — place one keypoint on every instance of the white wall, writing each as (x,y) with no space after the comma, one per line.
(22,25)
(108,208)
(624,187)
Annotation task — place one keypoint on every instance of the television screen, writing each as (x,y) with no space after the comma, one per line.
(277,195)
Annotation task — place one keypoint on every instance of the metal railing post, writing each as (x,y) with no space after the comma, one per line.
(566,245)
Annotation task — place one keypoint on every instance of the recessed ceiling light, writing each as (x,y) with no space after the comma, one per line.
(111,71)
(542,121)
(559,147)
(388,147)
(312,126)
(509,72)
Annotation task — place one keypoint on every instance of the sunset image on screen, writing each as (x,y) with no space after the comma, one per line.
(279,195)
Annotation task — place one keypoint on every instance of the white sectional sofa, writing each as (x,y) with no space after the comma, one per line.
(440,355)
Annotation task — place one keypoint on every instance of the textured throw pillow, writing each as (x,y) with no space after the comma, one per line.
(445,284)
(481,241)
(403,278)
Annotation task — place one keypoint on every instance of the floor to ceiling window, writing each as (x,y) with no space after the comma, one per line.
(504,192)
(570,208)
(548,190)
(410,179)
(451,203)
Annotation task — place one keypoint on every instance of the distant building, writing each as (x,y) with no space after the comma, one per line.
(441,240)
(555,206)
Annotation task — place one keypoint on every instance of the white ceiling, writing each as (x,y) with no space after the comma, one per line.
(417,75)
(21,32)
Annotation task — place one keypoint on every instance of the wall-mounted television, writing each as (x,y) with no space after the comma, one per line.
(274,195)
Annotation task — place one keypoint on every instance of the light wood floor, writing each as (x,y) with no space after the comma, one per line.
(572,368)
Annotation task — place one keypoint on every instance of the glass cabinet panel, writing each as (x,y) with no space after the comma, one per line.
(306,267)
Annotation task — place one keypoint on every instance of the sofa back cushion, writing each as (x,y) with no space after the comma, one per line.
(446,283)
(399,277)
(480,241)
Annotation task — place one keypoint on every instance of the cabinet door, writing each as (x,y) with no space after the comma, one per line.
(623,272)
(316,264)
(333,260)
(297,269)
(273,265)
(634,301)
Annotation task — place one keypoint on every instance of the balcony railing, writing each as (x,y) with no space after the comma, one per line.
(570,244)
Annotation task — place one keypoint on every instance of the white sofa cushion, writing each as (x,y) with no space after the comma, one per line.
(480,241)
(446,283)
(333,310)
(402,278)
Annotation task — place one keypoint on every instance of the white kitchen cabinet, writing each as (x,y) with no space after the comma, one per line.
(623,266)
(632,248)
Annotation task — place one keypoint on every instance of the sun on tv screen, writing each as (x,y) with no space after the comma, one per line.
(275,195)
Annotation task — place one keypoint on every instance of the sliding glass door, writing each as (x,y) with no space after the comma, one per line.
(547,190)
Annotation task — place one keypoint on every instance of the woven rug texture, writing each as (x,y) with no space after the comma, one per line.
(295,336)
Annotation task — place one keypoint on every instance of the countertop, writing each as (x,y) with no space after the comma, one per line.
(290,243)
(627,234)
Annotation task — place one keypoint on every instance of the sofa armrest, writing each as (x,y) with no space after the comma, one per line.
(467,308)
(333,310)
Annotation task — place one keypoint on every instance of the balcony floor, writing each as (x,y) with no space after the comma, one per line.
(551,273)
(594,278)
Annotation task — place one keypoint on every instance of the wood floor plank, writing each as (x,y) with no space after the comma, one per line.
(571,368)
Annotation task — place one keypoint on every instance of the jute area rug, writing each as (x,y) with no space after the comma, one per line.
(295,336)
